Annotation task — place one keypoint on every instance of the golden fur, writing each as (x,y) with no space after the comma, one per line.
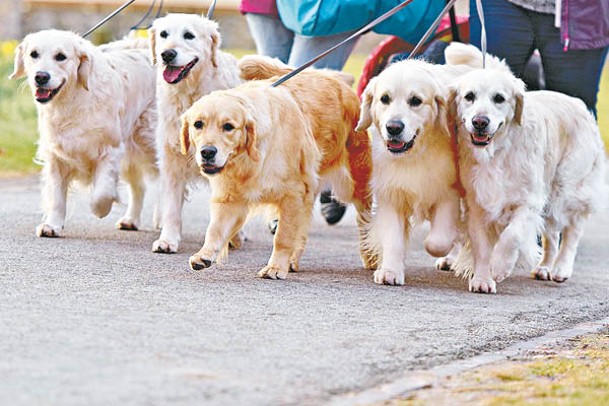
(285,141)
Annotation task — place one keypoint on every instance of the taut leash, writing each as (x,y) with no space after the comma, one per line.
(102,22)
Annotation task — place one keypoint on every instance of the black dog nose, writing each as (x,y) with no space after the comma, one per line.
(480,122)
(394,127)
(168,55)
(42,78)
(208,152)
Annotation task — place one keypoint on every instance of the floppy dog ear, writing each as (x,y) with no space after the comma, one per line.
(451,104)
(365,116)
(519,95)
(84,69)
(442,111)
(152,44)
(250,141)
(19,68)
(184,136)
(215,44)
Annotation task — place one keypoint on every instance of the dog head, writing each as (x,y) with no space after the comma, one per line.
(400,103)
(221,128)
(485,102)
(183,43)
(52,60)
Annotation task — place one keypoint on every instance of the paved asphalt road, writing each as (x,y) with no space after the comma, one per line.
(95,318)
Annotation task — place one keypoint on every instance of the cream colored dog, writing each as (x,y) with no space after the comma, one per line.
(260,146)
(530,162)
(414,172)
(96,118)
(185,48)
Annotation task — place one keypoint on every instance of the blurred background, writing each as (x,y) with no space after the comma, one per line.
(18,128)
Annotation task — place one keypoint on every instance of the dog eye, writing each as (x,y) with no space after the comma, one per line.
(188,35)
(385,99)
(498,98)
(198,124)
(34,54)
(415,101)
(470,96)
(163,34)
(60,57)
(228,127)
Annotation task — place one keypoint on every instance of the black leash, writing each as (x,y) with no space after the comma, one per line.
(454,27)
(432,28)
(102,22)
(212,8)
(354,35)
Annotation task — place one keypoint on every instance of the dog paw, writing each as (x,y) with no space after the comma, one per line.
(561,273)
(387,277)
(482,285)
(46,230)
(164,247)
(273,272)
(197,262)
(126,224)
(541,273)
(102,206)
(445,263)
(499,273)
(237,241)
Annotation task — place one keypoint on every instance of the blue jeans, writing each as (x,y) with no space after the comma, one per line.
(514,33)
(273,39)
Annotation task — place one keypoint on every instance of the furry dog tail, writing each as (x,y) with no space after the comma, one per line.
(458,53)
(257,67)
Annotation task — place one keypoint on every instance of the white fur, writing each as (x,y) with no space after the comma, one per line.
(541,171)
(214,70)
(99,124)
(418,184)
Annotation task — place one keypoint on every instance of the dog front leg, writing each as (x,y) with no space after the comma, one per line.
(392,228)
(517,237)
(226,219)
(294,212)
(105,180)
(482,282)
(443,231)
(173,176)
(55,180)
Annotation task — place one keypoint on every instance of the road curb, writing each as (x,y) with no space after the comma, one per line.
(424,378)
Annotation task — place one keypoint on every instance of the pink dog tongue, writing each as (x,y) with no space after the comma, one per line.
(43,93)
(171,73)
(396,144)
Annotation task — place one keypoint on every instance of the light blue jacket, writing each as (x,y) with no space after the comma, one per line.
(328,17)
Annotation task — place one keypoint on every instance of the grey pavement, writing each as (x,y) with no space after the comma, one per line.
(95,318)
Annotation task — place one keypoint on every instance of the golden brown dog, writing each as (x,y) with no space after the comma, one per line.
(259,145)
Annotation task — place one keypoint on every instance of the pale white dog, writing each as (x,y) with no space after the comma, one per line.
(530,162)
(96,118)
(185,48)
(414,162)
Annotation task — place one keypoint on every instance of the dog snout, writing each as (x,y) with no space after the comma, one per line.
(394,127)
(42,78)
(208,152)
(480,122)
(169,55)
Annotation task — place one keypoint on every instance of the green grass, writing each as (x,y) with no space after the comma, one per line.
(18,125)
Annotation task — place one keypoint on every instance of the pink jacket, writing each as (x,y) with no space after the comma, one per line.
(259,7)
(584,24)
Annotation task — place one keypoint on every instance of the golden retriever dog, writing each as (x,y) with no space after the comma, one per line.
(414,162)
(530,162)
(96,118)
(185,49)
(260,145)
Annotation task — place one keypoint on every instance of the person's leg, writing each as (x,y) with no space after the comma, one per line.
(573,72)
(307,48)
(509,32)
(272,38)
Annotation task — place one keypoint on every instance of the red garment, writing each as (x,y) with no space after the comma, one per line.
(259,7)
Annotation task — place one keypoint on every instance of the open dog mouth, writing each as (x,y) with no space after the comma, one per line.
(399,147)
(44,95)
(174,74)
(210,169)
(480,139)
